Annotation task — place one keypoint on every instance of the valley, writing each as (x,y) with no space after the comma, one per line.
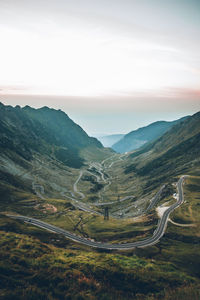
(78,197)
(158,233)
(99,150)
(108,219)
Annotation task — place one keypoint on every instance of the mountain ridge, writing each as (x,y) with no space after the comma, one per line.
(25,130)
(174,153)
(139,137)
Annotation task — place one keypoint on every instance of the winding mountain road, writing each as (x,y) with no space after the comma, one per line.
(155,198)
(75,185)
(162,224)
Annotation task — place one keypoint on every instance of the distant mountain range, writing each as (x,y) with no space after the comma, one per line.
(137,138)
(109,140)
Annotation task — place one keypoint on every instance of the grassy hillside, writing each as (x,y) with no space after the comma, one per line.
(175,153)
(46,266)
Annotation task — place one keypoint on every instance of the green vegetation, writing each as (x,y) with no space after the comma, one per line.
(43,265)
(183,152)
(25,131)
(189,211)
(173,154)
(35,268)
(41,177)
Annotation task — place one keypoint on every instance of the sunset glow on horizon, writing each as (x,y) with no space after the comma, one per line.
(94,52)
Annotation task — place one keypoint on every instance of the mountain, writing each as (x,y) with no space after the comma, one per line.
(40,139)
(137,138)
(110,140)
(174,153)
(25,131)
(52,171)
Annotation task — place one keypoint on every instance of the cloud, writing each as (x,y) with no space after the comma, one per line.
(89,49)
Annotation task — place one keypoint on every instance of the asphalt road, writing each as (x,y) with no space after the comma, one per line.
(162,224)
(155,199)
(75,185)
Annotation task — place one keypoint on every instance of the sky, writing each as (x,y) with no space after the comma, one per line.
(112,66)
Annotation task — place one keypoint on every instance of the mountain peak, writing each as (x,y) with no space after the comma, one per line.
(43,130)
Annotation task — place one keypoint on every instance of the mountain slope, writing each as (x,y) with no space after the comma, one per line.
(66,132)
(137,138)
(26,131)
(175,153)
(42,148)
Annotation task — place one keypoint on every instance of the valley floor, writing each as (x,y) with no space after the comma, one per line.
(45,265)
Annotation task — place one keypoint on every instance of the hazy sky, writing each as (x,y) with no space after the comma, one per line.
(111,65)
